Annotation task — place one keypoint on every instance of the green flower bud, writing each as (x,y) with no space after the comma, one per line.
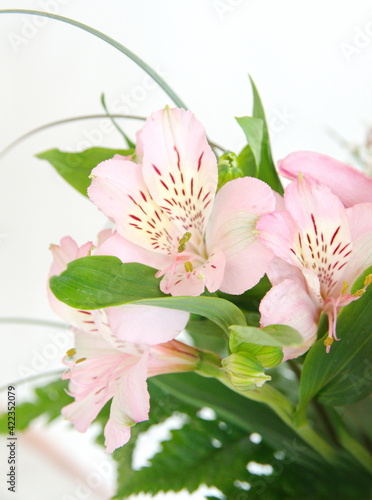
(244,371)
(228,168)
(268,356)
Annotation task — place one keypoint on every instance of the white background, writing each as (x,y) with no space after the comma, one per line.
(311,62)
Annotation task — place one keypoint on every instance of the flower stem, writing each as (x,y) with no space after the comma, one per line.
(286,412)
(350,444)
(32,321)
(32,378)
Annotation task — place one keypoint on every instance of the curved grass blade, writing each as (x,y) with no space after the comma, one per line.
(130,144)
(62,122)
(158,79)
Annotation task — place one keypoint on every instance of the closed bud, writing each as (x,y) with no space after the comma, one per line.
(228,168)
(244,371)
(268,356)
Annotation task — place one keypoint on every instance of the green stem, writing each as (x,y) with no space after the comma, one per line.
(75,119)
(61,122)
(350,444)
(286,411)
(32,321)
(130,144)
(159,80)
(31,379)
(281,405)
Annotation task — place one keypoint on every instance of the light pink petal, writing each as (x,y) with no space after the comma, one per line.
(232,227)
(278,231)
(138,156)
(67,251)
(116,435)
(279,270)
(180,168)
(181,283)
(214,270)
(131,404)
(119,190)
(360,219)
(126,251)
(279,202)
(305,198)
(246,268)
(289,304)
(314,235)
(322,220)
(208,274)
(81,413)
(92,345)
(146,324)
(104,235)
(349,184)
(122,157)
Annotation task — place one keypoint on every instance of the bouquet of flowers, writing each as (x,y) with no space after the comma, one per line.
(214,289)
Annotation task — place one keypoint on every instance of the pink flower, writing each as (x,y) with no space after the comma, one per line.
(102,367)
(350,185)
(323,247)
(168,217)
(132,323)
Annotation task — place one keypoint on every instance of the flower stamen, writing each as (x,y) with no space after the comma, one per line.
(189,267)
(182,243)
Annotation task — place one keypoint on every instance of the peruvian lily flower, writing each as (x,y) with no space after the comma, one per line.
(132,323)
(324,248)
(350,185)
(101,367)
(168,217)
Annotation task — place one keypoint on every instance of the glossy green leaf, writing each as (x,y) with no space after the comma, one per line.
(246,162)
(102,281)
(207,335)
(215,452)
(257,134)
(272,335)
(344,375)
(76,168)
(253,129)
(233,408)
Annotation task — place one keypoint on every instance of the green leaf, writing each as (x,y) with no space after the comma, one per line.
(76,168)
(207,335)
(100,281)
(246,162)
(158,79)
(342,376)
(257,134)
(253,129)
(231,407)
(199,453)
(49,401)
(216,452)
(272,335)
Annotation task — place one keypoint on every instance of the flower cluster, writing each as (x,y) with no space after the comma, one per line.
(312,243)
